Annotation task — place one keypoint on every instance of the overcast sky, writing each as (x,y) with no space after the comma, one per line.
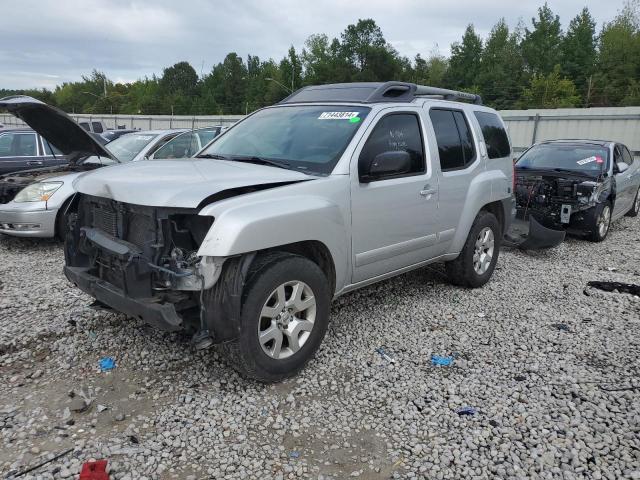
(45,42)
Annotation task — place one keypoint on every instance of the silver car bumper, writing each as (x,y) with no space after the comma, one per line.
(25,223)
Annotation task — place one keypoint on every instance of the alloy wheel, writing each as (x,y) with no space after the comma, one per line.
(603,221)
(287,319)
(483,253)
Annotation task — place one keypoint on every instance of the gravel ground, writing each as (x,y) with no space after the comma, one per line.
(551,372)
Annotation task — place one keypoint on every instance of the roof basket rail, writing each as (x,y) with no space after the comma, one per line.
(375,92)
(426,91)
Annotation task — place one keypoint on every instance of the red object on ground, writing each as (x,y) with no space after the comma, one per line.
(94,471)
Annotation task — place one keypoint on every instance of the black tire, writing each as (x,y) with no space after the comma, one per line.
(268,272)
(635,206)
(461,271)
(597,234)
(61,222)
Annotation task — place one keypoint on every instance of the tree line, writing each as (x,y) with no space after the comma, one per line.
(530,66)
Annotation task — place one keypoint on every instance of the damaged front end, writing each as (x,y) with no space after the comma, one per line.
(141,260)
(549,204)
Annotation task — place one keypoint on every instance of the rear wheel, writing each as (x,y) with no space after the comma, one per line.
(477,260)
(601,222)
(635,208)
(284,317)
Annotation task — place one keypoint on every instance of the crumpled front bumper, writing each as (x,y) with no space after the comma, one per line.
(160,315)
(532,235)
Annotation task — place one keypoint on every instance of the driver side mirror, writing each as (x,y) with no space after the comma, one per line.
(621,167)
(383,165)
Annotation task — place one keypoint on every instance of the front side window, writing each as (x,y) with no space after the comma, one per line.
(626,156)
(127,147)
(397,132)
(206,136)
(588,159)
(97,127)
(182,146)
(18,145)
(454,138)
(310,138)
(494,134)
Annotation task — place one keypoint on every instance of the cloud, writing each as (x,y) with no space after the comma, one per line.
(60,41)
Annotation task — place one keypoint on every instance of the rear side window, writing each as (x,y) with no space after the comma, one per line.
(97,127)
(453,135)
(495,136)
(397,131)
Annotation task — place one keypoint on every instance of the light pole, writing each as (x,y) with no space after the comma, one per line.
(290,90)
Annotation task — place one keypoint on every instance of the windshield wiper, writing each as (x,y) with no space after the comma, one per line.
(215,156)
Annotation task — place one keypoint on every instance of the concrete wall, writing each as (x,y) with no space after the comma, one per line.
(621,124)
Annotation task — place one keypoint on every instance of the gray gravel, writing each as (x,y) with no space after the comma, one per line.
(534,358)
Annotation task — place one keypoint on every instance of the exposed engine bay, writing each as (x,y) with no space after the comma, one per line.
(147,253)
(559,200)
(12,183)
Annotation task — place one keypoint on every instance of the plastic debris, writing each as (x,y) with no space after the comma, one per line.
(294,454)
(107,363)
(101,408)
(563,327)
(438,360)
(481,314)
(94,471)
(384,354)
(466,411)
(616,287)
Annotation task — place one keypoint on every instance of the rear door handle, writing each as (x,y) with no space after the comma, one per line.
(428,192)
(34,162)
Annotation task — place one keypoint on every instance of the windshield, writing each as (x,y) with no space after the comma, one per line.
(310,138)
(128,146)
(590,159)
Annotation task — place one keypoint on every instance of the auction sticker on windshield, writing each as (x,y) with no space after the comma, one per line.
(591,159)
(338,115)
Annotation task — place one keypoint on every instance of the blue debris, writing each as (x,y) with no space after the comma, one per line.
(466,411)
(107,363)
(441,361)
(386,355)
(294,454)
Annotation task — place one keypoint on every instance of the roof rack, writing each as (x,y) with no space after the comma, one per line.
(375,92)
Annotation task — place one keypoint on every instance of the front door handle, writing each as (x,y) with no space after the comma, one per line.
(427,192)
(34,162)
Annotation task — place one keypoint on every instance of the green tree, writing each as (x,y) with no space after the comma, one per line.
(501,68)
(369,55)
(578,50)
(464,63)
(618,63)
(541,47)
(180,78)
(550,91)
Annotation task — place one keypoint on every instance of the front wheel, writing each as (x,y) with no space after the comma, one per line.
(635,208)
(601,222)
(477,260)
(285,314)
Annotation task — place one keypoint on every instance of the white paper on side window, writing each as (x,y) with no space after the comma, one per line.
(338,115)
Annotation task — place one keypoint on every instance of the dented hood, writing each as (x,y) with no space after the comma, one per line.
(180,183)
(58,128)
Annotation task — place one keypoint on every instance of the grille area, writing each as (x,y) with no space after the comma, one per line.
(106,220)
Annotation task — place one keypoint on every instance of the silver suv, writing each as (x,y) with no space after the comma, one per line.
(334,188)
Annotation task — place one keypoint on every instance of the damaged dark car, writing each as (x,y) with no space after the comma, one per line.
(577,186)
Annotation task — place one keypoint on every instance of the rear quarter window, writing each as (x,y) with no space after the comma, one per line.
(495,136)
